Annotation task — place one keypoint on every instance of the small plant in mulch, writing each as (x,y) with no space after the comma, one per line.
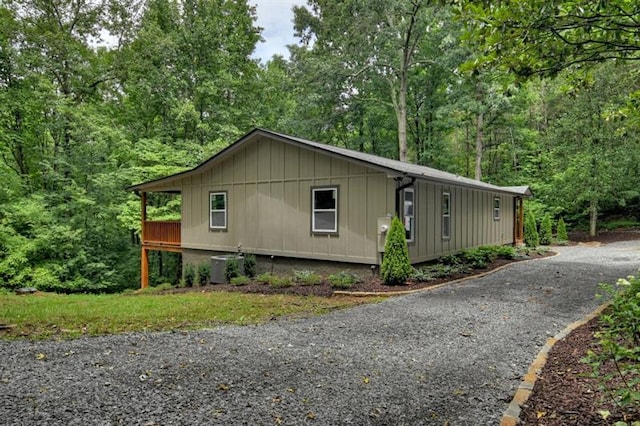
(343,280)
(240,280)
(231,269)
(281,282)
(265,278)
(422,275)
(250,265)
(305,277)
(204,272)
(189,275)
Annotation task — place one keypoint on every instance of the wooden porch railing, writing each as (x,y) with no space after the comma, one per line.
(162,233)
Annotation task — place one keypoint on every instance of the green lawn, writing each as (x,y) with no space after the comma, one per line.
(45,315)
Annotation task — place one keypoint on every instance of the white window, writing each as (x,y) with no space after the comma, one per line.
(496,208)
(324,217)
(446,215)
(408,213)
(218,210)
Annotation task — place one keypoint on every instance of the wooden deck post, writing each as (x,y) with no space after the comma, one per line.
(144,255)
(144,268)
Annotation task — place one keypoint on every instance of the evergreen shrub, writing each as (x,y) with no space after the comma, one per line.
(531,236)
(231,269)
(396,266)
(250,265)
(189,275)
(204,272)
(561,231)
(546,231)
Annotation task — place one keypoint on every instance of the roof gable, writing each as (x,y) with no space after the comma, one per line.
(391,167)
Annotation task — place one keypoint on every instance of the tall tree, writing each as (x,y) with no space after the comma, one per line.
(372,41)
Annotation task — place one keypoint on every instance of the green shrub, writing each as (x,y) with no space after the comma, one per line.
(619,343)
(307,278)
(250,265)
(396,265)
(281,282)
(531,236)
(204,272)
(561,231)
(240,280)
(422,275)
(343,280)
(506,252)
(189,275)
(546,231)
(265,278)
(231,269)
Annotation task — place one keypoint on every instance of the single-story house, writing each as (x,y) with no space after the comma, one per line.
(278,195)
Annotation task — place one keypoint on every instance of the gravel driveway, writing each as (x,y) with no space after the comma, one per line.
(450,356)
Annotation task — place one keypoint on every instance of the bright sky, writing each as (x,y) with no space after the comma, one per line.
(276,19)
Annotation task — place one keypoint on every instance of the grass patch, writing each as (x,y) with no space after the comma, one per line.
(45,315)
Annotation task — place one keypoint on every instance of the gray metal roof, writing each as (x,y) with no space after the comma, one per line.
(392,167)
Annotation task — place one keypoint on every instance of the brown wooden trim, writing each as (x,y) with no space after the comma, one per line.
(144,268)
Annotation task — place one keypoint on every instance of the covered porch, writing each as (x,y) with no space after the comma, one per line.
(156,235)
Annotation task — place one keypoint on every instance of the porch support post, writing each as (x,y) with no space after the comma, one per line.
(144,268)
(144,255)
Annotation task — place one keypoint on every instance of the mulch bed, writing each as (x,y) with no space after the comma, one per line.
(369,284)
(565,395)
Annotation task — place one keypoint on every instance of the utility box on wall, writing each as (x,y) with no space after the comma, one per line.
(384,223)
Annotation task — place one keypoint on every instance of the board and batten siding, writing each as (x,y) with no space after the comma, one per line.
(472,223)
(268,184)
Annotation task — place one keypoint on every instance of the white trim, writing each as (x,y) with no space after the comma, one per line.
(315,210)
(412,217)
(211,210)
(446,216)
(496,210)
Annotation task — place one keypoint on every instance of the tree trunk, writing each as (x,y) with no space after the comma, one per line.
(593,217)
(479,145)
(401,114)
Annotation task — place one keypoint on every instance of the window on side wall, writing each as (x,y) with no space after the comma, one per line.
(446,215)
(218,210)
(324,210)
(496,208)
(408,213)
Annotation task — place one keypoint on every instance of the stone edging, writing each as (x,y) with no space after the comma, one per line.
(511,416)
(433,287)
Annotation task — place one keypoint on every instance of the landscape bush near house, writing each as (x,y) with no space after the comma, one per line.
(250,265)
(531,236)
(343,280)
(231,269)
(561,231)
(189,275)
(619,343)
(204,273)
(546,230)
(396,265)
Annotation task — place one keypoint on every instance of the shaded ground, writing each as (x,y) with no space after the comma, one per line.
(563,394)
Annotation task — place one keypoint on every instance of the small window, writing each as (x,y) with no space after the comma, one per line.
(408,213)
(218,210)
(496,208)
(324,218)
(446,215)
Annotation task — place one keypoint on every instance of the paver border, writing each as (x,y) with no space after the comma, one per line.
(511,416)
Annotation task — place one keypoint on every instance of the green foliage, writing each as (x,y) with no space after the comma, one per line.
(561,231)
(343,280)
(189,275)
(265,278)
(281,282)
(250,265)
(231,269)
(240,280)
(546,230)
(620,224)
(396,265)
(204,273)
(305,277)
(619,343)
(421,275)
(531,237)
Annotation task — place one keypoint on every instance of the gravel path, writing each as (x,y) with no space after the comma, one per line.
(450,356)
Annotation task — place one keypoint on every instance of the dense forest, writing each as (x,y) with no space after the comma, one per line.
(98,95)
